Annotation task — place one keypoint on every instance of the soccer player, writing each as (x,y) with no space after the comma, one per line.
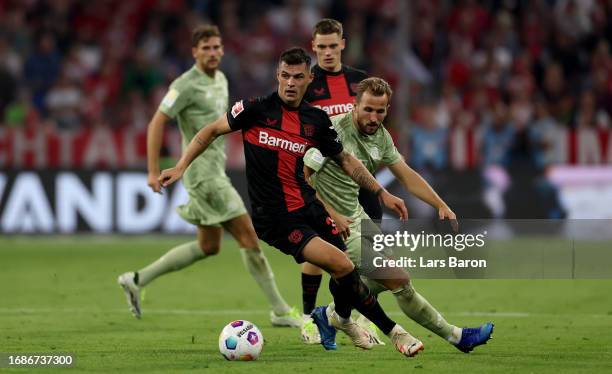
(333,89)
(361,133)
(277,130)
(196,99)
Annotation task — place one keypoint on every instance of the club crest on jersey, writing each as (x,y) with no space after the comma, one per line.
(309,130)
(354,86)
(319,91)
(296,236)
(237,108)
(375,153)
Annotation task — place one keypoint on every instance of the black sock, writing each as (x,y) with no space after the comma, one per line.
(363,300)
(343,305)
(310,287)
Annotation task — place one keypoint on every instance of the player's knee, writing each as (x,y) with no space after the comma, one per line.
(397,280)
(248,241)
(404,290)
(342,266)
(210,249)
(393,284)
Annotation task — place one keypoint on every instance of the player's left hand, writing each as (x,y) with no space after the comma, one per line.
(394,203)
(169,176)
(446,212)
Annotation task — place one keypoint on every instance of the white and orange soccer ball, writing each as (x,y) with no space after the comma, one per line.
(240,341)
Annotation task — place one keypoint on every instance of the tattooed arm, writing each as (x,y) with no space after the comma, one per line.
(355,169)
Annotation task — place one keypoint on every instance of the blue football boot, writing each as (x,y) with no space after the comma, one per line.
(326,330)
(472,337)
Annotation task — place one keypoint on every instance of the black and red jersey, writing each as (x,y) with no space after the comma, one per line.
(332,92)
(275,138)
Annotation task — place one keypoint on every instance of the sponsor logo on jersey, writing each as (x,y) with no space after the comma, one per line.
(237,108)
(288,145)
(334,109)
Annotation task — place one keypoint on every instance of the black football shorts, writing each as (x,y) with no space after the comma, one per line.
(290,232)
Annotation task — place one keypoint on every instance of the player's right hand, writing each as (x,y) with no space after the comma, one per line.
(169,176)
(394,203)
(342,224)
(153,182)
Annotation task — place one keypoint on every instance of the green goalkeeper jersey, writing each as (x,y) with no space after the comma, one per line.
(195,100)
(331,182)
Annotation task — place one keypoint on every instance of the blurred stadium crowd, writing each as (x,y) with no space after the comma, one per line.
(511,72)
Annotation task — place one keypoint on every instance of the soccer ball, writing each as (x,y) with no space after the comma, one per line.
(240,341)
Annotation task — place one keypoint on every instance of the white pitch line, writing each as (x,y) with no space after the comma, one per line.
(221,312)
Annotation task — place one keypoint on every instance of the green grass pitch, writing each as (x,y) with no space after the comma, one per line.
(59,294)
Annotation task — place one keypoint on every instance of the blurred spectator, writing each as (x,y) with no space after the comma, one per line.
(588,115)
(64,102)
(20,113)
(10,60)
(428,142)
(42,68)
(543,137)
(141,74)
(464,60)
(498,137)
(8,88)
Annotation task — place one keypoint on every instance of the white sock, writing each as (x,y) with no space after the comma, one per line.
(455,335)
(397,329)
(335,315)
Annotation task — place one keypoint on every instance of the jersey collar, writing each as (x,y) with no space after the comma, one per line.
(320,70)
(285,106)
(203,74)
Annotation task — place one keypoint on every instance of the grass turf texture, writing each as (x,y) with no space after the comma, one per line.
(60,295)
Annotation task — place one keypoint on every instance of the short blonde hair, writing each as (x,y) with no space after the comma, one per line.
(375,86)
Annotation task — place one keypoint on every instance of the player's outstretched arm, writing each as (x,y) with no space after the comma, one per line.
(415,184)
(198,144)
(355,169)
(342,222)
(155,136)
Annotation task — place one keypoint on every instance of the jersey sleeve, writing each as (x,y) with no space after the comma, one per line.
(314,159)
(329,141)
(176,99)
(391,155)
(242,114)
